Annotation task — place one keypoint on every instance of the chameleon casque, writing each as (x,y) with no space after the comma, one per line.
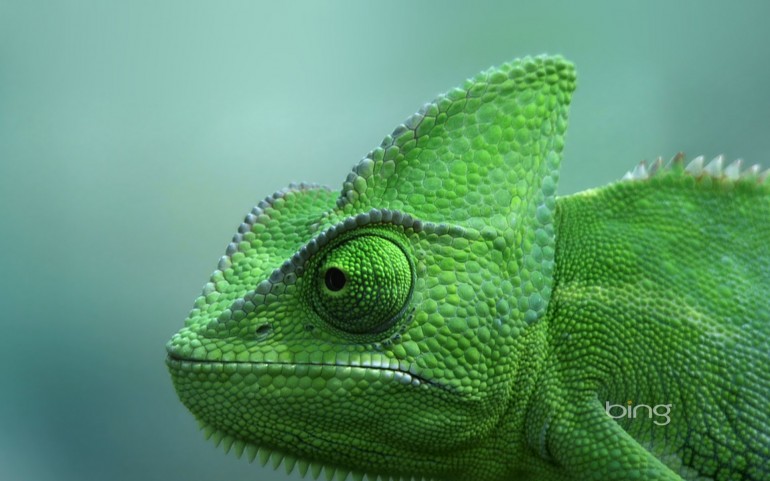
(447,316)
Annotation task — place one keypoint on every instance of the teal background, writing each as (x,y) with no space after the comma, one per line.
(135,135)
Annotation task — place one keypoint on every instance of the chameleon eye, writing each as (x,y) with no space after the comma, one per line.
(363,285)
(335,279)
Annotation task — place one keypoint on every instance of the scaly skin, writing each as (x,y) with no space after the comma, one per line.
(446,316)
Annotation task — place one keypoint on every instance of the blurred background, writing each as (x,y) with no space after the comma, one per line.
(134,137)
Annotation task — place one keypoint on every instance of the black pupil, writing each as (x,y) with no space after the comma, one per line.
(335,279)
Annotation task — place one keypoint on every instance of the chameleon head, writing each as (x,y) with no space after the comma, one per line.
(382,328)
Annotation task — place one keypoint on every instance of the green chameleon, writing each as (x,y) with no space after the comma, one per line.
(447,316)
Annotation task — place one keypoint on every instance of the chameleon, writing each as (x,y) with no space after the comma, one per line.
(447,316)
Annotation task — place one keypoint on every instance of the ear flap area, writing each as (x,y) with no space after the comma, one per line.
(484,153)
(271,233)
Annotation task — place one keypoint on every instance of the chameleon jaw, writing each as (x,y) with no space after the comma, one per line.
(305,450)
(175,362)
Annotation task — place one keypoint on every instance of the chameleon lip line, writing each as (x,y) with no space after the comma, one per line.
(176,362)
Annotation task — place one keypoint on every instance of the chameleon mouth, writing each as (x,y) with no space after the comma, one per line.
(175,361)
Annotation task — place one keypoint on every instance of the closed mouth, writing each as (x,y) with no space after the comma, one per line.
(407,378)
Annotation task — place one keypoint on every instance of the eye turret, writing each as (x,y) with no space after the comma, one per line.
(363,284)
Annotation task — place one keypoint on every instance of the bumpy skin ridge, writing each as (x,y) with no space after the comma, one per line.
(445,316)
(261,214)
(697,168)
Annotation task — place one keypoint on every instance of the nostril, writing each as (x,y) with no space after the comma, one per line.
(263,330)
